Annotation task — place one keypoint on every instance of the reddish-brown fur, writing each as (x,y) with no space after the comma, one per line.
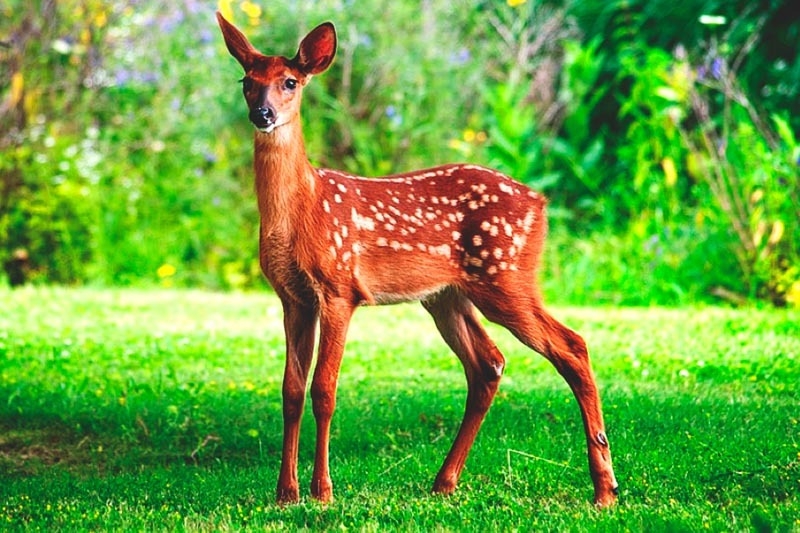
(456,237)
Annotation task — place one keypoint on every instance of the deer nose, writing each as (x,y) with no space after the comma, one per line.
(263,116)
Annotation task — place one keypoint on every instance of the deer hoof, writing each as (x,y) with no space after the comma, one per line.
(287,495)
(608,499)
(444,486)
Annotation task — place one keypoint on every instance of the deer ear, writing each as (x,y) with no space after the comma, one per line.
(237,43)
(317,49)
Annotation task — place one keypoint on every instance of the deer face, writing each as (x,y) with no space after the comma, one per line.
(273,85)
(272,90)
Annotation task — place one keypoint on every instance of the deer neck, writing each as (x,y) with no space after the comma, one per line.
(285,180)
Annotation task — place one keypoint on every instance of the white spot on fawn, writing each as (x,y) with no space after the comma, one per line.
(477,240)
(506,188)
(442,249)
(326,206)
(361,222)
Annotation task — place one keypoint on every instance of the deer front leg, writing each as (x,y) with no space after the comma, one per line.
(300,326)
(334,320)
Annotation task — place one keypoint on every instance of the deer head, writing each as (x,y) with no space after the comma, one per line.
(273,85)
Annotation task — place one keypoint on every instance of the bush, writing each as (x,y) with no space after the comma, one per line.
(126,157)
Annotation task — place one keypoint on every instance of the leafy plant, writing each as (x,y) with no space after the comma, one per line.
(750,165)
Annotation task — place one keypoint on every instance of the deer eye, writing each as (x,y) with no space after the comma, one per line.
(290,84)
(247,84)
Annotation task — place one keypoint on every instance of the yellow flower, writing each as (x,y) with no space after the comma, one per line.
(101,19)
(793,294)
(17,86)
(670,173)
(224,7)
(166,271)
(515,3)
(250,9)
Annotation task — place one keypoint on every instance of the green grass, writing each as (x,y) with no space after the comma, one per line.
(140,410)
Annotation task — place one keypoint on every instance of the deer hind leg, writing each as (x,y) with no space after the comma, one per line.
(335,318)
(457,321)
(300,326)
(527,319)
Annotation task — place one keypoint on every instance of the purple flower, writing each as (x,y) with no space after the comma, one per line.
(122,77)
(716,68)
(170,22)
(148,77)
(461,57)
(393,115)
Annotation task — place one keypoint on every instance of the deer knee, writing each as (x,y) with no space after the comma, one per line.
(323,399)
(492,366)
(576,344)
(293,400)
(570,356)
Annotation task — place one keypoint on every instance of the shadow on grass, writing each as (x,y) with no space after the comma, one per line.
(679,446)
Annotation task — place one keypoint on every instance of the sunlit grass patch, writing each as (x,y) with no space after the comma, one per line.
(161,410)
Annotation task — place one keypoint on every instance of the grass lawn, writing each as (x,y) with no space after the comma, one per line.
(141,410)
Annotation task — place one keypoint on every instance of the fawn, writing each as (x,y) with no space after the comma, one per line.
(456,237)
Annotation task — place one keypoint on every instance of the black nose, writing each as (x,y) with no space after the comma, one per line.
(263,117)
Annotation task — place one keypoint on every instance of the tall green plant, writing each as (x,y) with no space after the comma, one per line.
(750,164)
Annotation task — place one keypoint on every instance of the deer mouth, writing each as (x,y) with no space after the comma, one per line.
(266,129)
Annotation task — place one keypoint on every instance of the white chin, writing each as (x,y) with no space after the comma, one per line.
(268,129)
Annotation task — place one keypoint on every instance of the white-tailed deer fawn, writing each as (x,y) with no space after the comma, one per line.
(455,237)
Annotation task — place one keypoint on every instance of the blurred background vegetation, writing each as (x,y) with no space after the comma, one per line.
(664,133)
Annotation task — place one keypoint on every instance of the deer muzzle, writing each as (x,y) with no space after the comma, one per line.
(264,117)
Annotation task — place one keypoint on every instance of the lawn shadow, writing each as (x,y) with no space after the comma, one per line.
(679,445)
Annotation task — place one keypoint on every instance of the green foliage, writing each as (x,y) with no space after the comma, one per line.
(142,410)
(749,166)
(125,156)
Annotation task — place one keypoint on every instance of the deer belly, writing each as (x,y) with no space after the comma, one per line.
(402,277)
